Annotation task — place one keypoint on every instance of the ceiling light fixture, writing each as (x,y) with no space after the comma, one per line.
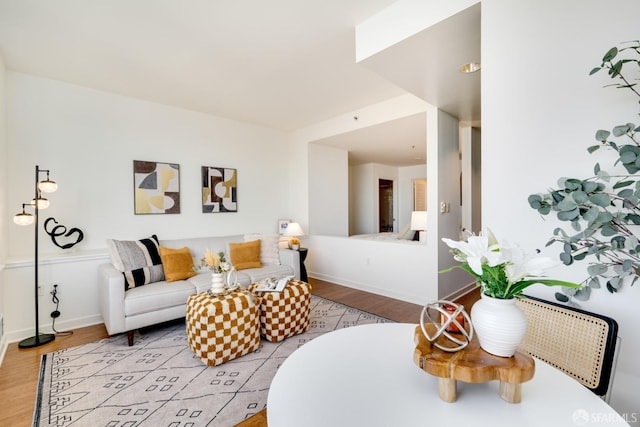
(469,67)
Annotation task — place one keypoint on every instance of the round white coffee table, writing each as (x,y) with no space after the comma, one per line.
(365,376)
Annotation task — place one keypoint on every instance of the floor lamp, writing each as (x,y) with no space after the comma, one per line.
(24,218)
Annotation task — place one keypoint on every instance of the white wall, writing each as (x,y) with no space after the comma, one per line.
(541,115)
(328,191)
(3,195)
(406,175)
(471,158)
(89,139)
(361,200)
(394,269)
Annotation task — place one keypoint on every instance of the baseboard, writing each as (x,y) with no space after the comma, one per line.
(461,292)
(61,326)
(367,288)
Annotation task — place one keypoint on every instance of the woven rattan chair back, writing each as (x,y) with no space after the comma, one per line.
(579,343)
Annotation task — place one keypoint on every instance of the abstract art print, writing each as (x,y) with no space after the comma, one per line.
(219,189)
(156,187)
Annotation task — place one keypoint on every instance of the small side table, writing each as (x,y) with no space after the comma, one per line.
(286,313)
(303,269)
(472,365)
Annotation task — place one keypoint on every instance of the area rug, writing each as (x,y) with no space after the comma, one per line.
(160,382)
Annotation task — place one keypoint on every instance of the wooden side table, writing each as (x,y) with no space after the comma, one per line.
(472,365)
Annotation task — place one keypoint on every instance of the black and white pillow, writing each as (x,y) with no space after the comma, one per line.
(139,260)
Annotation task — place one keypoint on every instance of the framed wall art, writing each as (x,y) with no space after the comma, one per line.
(282,225)
(156,187)
(219,189)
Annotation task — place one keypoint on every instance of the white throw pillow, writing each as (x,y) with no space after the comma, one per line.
(406,233)
(268,247)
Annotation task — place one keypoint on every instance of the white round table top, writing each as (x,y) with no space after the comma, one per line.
(365,376)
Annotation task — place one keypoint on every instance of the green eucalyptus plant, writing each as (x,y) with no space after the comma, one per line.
(603,210)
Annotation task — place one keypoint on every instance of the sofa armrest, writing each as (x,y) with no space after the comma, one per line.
(292,259)
(111,293)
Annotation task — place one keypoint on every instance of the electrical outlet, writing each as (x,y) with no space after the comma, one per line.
(40,292)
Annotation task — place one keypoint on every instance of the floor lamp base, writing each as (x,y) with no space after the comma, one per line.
(36,341)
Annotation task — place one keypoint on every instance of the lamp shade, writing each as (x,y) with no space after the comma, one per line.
(41,202)
(293,230)
(23,218)
(47,186)
(419,220)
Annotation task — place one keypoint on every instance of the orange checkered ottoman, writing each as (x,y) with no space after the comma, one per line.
(222,327)
(286,313)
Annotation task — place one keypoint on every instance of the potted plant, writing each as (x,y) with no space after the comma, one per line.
(503,271)
(294,243)
(218,266)
(603,209)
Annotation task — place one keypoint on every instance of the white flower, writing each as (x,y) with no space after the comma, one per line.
(522,265)
(477,250)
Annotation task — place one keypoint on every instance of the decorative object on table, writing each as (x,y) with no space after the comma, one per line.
(293,231)
(219,189)
(219,267)
(295,243)
(23,218)
(471,365)
(156,187)
(603,210)
(419,224)
(451,321)
(270,284)
(503,271)
(60,230)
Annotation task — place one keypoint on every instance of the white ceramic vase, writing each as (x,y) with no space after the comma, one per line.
(500,325)
(217,282)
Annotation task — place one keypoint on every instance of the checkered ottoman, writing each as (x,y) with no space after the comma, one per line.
(221,328)
(284,314)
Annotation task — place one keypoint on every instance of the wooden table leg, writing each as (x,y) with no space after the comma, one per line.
(447,389)
(510,392)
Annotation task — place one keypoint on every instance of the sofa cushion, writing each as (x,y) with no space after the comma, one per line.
(177,263)
(138,260)
(156,296)
(268,247)
(198,245)
(245,255)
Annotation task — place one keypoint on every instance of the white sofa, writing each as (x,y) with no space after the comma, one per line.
(125,310)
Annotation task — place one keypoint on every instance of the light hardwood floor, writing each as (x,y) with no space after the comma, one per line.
(19,370)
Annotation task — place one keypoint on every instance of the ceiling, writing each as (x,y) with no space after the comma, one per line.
(284,64)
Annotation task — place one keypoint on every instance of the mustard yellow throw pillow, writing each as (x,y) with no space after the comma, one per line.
(245,255)
(177,263)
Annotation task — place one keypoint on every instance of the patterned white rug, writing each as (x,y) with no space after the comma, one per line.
(159,381)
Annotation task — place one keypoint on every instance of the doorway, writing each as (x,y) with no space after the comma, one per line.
(385,205)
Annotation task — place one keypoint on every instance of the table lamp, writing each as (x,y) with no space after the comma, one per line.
(294,231)
(419,224)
